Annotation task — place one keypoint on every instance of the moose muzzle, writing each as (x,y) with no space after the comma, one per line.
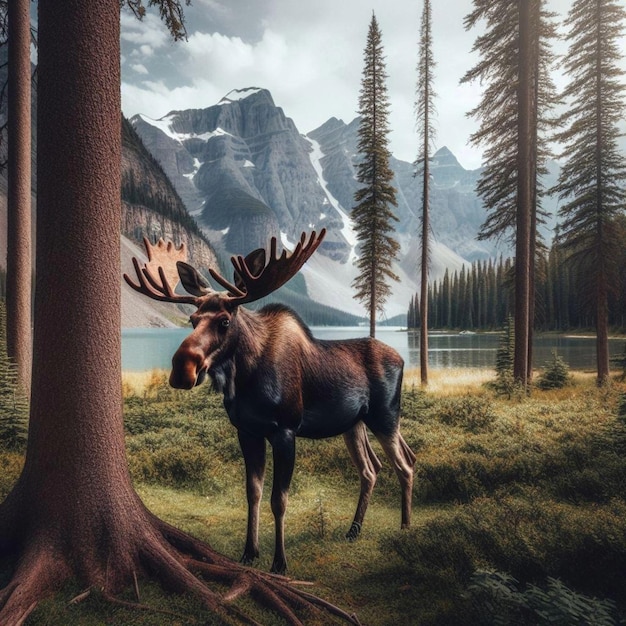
(189,368)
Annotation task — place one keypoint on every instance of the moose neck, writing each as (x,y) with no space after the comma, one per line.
(244,353)
(272,334)
(252,338)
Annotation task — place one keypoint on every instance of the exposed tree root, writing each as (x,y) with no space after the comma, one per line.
(137,606)
(36,576)
(176,560)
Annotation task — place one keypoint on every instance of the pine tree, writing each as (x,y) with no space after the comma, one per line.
(505,381)
(514,66)
(425,111)
(372,214)
(555,374)
(591,182)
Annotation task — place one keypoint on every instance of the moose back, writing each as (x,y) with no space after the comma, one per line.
(278,381)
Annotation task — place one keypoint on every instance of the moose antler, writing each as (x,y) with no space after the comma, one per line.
(162,259)
(253,283)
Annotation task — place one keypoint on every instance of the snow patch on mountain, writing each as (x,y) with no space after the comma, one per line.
(330,283)
(239,94)
(164,124)
(347,231)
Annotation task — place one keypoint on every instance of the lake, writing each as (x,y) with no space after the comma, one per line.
(149,348)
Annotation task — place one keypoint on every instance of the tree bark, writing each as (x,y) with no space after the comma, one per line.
(524,196)
(424,264)
(602,288)
(602,333)
(19,260)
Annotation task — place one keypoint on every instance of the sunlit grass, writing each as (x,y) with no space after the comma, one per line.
(529,486)
(449,381)
(136,383)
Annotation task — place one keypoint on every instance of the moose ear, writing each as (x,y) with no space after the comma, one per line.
(191,279)
(255,261)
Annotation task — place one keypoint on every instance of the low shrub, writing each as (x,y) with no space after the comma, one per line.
(415,402)
(621,409)
(555,374)
(527,536)
(472,413)
(173,466)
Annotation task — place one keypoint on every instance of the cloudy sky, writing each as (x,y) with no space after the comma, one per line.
(310,57)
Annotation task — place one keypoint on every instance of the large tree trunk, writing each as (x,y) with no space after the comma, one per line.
(19,270)
(73,512)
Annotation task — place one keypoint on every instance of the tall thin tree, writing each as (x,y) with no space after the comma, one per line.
(19,263)
(591,182)
(524,204)
(425,112)
(372,214)
(514,67)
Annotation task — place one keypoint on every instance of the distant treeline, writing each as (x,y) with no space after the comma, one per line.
(480,297)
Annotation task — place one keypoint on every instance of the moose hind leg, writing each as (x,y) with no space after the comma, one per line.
(368,466)
(402,459)
(253,449)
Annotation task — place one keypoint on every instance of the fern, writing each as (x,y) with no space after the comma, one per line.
(13,405)
(497,599)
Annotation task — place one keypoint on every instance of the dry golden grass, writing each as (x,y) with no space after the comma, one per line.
(136,383)
(450,381)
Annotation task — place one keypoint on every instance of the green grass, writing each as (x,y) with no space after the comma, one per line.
(519,507)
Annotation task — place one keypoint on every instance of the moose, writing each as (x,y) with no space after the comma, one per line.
(278,381)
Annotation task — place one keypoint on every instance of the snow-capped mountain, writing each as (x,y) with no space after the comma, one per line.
(246,173)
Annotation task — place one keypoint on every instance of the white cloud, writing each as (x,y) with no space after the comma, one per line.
(149,31)
(139,68)
(309,56)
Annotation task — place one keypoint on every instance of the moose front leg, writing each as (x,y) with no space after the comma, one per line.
(253,449)
(284,453)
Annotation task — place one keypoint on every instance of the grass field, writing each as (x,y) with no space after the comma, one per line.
(519,506)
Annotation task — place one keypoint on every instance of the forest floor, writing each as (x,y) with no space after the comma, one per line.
(519,511)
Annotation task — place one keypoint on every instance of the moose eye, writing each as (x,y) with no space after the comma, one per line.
(224,323)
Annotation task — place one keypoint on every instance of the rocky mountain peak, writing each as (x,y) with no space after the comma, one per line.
(241,94)
(444,158)
(243,159)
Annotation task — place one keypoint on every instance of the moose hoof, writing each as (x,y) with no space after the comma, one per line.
(354,532)
(279,567)
(248,559)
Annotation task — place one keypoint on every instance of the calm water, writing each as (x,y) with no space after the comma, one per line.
(149,348)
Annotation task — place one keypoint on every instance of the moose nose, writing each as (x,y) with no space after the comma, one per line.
(186,367)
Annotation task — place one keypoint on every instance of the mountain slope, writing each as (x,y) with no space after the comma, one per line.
(242,158)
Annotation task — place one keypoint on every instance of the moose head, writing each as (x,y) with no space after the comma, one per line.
(215,321)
